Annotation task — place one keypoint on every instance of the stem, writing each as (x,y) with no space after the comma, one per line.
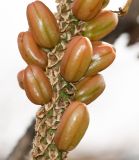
(48,116)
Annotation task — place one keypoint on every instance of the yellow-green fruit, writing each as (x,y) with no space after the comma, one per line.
(72,127)
(88,89)
(99,27)
(104,55)
(86,9)
(43,25)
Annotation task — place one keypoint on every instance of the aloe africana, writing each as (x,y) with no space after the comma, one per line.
(49,115)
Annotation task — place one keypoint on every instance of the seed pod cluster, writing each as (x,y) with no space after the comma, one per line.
(82,62)
(83,57)
(43,32)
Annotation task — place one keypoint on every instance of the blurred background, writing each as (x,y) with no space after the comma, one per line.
(113,133)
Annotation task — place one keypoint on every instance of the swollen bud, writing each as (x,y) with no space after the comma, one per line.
(88,89)
(76,59)
(29,50)
(43,24)
(99,27)
(37,86)
(104,55)
(86,10)
(72,127)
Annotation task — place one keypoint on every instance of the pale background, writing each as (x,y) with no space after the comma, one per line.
(114,116)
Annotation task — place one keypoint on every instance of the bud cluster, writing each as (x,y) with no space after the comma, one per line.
(67,44)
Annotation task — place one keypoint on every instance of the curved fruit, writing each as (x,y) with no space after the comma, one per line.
(105,3)
(20,78)
(104,55)
(76,59)
(72,127)
(88,89)
(104,23)
(29,50)
(37,86)
(43,25)
(86,10)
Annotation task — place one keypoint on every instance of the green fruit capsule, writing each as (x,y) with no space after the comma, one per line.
(76,59)
(72,127)
(104,55)
(37,86)
(99,27)
(86,9)
(43,24)
(20,78)
(29,50)
(88,89)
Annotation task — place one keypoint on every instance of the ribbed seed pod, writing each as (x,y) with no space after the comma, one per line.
(86,10)
(88,89)
(104,23)
(43,24)
(37,86)
(29,50)
(72,127)
(105,3)
(20,78)
(104,55)
(76,59)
